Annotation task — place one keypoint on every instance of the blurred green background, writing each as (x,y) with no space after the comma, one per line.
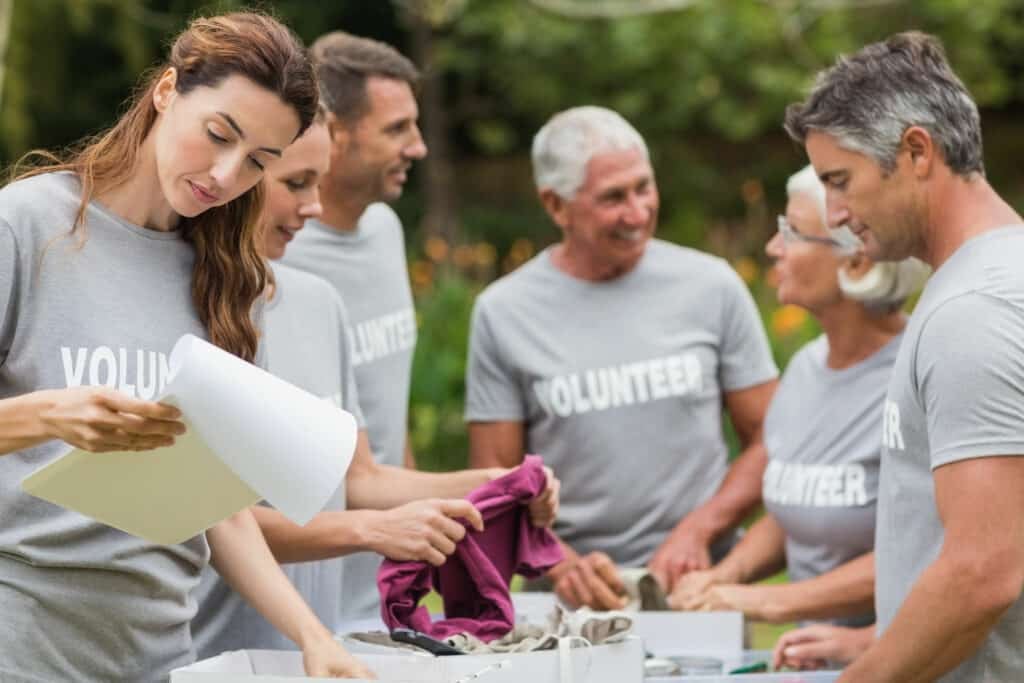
(705,81)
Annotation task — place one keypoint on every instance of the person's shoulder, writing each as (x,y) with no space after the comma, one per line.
(39,193)
(43,205)
(316,295)
(988,264)
(512,286)
(688,263)
(302,281)
(813,353)
(380,217)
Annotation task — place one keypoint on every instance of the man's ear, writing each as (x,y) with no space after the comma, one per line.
(340,134)
(164,92)
(556,205)
(919,143)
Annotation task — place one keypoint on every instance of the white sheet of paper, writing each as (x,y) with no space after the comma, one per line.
(250,436)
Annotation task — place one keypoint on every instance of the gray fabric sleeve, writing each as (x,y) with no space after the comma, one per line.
(347,381)
(259,317)
(492,391)
(745,357)
(969,368)
(9,274)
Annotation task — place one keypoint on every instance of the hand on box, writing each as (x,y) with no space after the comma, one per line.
(326,658)
(814,647)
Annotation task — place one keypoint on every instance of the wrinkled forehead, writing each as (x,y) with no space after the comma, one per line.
(615,168)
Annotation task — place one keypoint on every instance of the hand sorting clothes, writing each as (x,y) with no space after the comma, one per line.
(474,581)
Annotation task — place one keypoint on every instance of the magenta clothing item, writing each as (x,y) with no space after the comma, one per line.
(474,581)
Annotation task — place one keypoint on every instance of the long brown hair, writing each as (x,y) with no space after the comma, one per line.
(229,274)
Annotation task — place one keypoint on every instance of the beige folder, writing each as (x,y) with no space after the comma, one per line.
(251,436)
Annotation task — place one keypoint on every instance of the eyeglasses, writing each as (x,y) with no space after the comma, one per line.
(791,235)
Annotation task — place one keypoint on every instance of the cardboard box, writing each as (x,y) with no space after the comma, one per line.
(744,659)
(663,633)
(612,663)
(791,677)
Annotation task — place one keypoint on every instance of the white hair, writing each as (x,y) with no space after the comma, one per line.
(570,139)
(887,284)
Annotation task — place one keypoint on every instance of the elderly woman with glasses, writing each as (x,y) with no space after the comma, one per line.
(822,431)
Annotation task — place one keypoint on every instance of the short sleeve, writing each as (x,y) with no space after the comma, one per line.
(347,381)
(745,356)
(969,367)
(492,389)
(10,272)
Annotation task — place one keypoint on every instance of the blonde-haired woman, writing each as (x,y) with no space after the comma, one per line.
(107,257)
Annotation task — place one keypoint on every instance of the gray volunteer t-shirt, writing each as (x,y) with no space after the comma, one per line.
(821,483)
(367,267)
(620,386)
(305,344)
(82,601)
(957,392)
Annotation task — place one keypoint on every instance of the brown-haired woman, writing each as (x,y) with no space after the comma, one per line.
(143,234)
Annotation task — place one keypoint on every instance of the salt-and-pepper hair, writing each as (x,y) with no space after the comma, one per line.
(570,139)
(868,100)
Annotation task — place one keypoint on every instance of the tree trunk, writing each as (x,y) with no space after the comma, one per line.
(6,12)
(440,217)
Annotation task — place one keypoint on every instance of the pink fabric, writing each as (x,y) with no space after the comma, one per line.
(474,581)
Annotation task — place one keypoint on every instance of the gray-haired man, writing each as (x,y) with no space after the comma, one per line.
(896,138)
(611,354)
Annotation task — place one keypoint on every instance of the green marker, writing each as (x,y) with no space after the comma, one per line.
(757,667)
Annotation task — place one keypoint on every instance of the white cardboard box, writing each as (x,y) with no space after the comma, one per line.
(745,658)
(663,633)
(612,663)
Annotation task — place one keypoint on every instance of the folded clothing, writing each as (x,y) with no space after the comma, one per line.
(583,626)
(473,582)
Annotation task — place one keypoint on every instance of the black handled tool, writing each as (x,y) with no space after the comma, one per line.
(422,640)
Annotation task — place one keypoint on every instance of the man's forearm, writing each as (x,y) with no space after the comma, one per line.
(382,487)
(932,633)
(328,534)
(738,495)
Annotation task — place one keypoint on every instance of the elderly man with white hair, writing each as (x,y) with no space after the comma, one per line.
(821,432)
(612,354)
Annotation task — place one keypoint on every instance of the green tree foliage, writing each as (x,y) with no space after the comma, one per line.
(706,85)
